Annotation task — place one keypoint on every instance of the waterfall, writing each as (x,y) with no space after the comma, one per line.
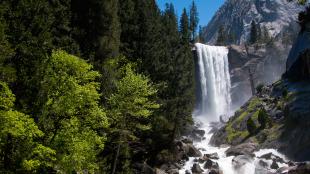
(214,81)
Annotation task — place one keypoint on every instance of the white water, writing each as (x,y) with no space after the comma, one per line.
(215,101)
(214,81)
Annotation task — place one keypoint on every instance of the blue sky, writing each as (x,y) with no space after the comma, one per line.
(206,8)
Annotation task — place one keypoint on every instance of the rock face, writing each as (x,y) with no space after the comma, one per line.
(236,16)
(266,62)
(298,62)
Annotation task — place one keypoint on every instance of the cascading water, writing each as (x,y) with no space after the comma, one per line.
(214,100)
(214,81)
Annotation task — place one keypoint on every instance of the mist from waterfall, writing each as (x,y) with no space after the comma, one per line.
(214,81)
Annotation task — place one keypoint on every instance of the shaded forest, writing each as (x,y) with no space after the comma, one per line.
(92,86)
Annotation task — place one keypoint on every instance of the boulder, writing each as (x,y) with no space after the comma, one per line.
(241,160)
(212,156)
(196,169)
(274,165)
(173,171)
(301,168)
(159,171)
(242,149)
(211,165)
(193,152)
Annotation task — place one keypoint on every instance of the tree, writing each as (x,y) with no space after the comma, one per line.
(70,115)
(194,19)
(221,37)
(130,107)
(19,149)
(7,71)
(200,35)
(253,33)
(184,27)
(97,28)
(265,35)
(263,118)
(251,127)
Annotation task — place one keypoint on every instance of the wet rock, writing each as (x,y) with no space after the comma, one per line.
(196,169)
(212,156)
(187,140)
(211,165)
(262,163)
(242,149)
(271,156)
(187,172)
(173,171)
(158,171)
(241,160)
(199,132)
(193,152)
(274,165)
(301,168)
(215,171)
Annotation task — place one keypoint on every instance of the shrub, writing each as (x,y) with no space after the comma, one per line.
(262,118)
(259,88)
(251,127)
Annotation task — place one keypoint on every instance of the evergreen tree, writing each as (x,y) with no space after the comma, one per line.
(184,27)
(200,35)
(97,28)
(259,33)
(7,71)
(194,19)
(253,33)
(265,35)
(221,36)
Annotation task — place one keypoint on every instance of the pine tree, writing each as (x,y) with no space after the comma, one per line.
(194,19)
(253,33)
(184,27)
(221,37)
(200,34)
(97,28)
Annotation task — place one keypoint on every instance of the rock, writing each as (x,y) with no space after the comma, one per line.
(241,160)
(271,156)
(187,140)
(193,152)
(262,163)
(199,132)
(212,156)
(211,165)
(187,172)
(214,171)
(242,149)
(274,165)
(301,168)
(158,171)
(173,171)
(143,168)
(196,169)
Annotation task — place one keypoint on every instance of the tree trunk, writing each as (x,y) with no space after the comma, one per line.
(116,155)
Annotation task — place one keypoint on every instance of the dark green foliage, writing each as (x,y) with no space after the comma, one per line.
(263,118)
(259,88)
(194,19)
(184,27)
(253,33)
(251,126)
(61,100)
(96,28)
(284,93)
(221,36)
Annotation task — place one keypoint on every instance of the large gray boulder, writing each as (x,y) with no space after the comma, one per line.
(242,149)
